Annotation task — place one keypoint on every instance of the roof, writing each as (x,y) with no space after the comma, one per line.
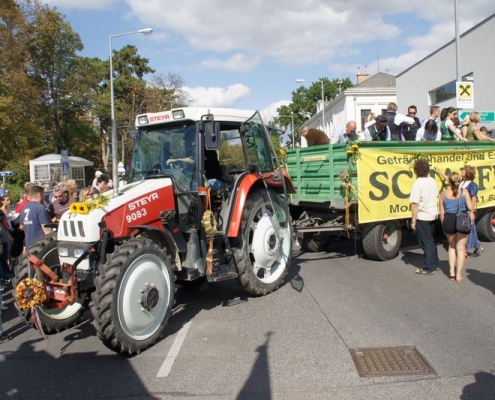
(380,80)
(57,159)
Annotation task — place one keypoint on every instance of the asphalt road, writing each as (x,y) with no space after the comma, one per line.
(292,344)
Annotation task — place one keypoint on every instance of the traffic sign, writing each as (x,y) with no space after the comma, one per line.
(6,173)
(485,116)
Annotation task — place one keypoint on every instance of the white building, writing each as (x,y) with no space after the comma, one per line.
(432,80)
(370,95)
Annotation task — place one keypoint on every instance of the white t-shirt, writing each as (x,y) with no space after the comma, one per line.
(424,192)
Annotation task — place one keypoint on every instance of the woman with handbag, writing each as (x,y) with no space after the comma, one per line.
(455,206)
(468,183)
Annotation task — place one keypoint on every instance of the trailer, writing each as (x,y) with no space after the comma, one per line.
(361,190)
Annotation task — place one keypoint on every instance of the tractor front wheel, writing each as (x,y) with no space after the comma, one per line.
(52,320)
(134,296)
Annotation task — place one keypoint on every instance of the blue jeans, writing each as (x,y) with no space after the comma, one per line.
(425,230)
(215,184)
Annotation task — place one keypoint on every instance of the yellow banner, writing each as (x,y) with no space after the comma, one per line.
(385,178)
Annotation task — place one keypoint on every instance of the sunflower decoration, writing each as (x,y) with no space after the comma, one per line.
(352,150)
(89,205)
(30,293)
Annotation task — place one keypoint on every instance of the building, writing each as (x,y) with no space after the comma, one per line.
(432,80)
(370,95)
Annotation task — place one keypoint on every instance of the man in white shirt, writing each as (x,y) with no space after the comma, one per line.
(344,133)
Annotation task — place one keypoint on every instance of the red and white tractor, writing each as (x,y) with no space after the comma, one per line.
(122,253)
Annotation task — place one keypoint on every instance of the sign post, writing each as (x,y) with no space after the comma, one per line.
(3,174)
(65,164)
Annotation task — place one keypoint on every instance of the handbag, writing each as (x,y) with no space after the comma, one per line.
(462,219)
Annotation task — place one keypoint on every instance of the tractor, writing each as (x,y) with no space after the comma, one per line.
(122,254)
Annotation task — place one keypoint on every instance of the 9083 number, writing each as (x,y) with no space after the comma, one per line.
(136,215)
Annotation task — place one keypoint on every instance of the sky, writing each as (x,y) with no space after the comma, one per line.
(248,54)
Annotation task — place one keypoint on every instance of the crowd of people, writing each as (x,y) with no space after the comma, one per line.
(428,204)
(442,124)
(32,219)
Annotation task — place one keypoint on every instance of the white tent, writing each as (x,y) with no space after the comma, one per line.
(46,170)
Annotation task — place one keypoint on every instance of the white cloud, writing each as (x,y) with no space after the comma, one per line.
(238,62)
(217,96)
(270,112)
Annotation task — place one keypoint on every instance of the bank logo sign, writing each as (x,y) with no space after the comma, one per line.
(465,94)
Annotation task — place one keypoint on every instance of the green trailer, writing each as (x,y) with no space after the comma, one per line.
(361,189)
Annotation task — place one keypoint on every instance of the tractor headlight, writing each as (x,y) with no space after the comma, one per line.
(63,252)
(78,253)
(143,120)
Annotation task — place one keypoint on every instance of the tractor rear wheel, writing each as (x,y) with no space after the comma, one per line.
(52,320)
(134,296)
(263,249)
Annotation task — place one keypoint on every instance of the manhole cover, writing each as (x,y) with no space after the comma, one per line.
(390,361)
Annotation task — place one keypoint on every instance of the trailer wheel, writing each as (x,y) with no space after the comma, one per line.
(263,250)
(52,320)
(382,241)
(485,226)
(134,296)
(313,243)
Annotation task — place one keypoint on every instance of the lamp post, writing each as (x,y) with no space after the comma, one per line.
(292,125)
(115,173)
(322,99)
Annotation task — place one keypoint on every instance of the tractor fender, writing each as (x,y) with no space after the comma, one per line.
(242,194)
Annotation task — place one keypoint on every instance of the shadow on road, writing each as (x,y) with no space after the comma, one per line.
(483,279)
(482,389)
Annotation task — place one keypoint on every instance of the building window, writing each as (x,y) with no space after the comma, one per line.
(364,117)
(41,172)
(77,174)
(447,91)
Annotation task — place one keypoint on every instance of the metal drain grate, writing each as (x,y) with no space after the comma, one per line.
(390,361)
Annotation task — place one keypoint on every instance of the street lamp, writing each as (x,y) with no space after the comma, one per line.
(115,173)
(292,126)
(322,99)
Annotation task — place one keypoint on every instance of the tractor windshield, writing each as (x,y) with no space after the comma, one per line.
(165,150)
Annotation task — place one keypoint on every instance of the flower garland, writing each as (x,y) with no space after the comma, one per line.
(89,205)
(30,293)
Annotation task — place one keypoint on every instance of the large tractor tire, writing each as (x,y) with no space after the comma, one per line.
(134,296)
(313,242)
(263,249)
(52,320)
(382,241)
(485,226)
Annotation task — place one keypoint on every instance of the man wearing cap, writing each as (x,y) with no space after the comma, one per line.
(378,131)
(97,175)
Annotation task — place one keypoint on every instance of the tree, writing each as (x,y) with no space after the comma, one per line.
(305,100)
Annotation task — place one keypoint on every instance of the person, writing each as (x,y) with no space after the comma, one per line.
(95,180)
(484,131)
(447,127)
(423,198)
(378,130)
(6,221)
(84,194)
(434,114)
(409,131)
(452,201)
(314,137)
(34,217)
(429,132)
(468,184)
(213,170)
(396,121)
(61,202)
(101,184)
(345,133)
(470,128)
(72,188)
(3,336)
(370,120)
(24,197)
(5,244)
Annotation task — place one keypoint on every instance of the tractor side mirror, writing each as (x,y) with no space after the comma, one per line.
(212,135)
